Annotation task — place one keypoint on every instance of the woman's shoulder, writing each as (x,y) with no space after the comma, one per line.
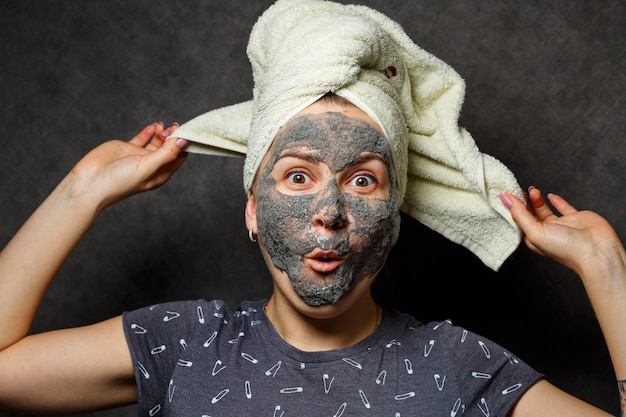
(443,331)
(187,316)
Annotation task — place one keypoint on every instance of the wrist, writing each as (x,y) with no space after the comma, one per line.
(606,277)
(84,191)
(78,196)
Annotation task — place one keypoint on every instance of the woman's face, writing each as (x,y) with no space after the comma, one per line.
(326,202)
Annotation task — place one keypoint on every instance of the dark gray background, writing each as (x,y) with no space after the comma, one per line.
(545,95)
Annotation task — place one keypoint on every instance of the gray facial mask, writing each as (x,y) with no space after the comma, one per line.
(360,228)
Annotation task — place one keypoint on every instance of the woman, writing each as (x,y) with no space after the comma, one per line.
(321,304)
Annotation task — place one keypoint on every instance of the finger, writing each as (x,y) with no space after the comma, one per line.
(160,136)
(538,203)
(161,157)
(144,136)
(167,132)
(526,220)
(165,171)
(561,205)
(520,213)
(529,206)
(155,143)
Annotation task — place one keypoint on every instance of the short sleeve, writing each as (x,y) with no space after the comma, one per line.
(490,378)
(158,337)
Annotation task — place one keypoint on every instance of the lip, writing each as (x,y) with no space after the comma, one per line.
(324,261)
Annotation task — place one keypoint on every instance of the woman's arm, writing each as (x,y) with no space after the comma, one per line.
(51,365)
(586,243)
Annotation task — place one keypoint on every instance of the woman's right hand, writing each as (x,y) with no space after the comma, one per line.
(117,169)
(110,172)
(96,356)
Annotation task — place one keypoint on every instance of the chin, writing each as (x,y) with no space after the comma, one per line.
(323,298)
(316,301)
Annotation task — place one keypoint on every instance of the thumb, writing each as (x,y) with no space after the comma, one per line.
(519,212)
(523,217)
(159,165)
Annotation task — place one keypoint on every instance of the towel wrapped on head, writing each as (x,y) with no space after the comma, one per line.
(303,49)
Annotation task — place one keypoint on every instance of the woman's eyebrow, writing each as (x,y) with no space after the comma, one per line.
(299,153)
(365,157)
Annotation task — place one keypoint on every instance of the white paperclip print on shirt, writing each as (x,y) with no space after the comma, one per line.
(380,379)
(219,395)
(217,367)
(456,407)
(352,362)
(484,407)
(171,315)
(428,347)
(182,362)
(364,399)
(170,390)
(201,345)
(485,349)
(440,381)
(137,329)
(210,339)
(158,349)
(272,371)
(200,314)
(248,390)
(327,383)
(409,366)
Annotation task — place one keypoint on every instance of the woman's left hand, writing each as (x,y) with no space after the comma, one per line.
(583,241)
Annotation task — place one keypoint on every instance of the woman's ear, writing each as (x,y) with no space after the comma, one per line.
(251,214)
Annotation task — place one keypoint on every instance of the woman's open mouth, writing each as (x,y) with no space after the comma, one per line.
(323,261)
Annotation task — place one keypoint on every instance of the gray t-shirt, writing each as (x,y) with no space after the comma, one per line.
(200,358)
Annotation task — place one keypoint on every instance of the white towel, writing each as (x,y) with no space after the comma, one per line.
(302,49)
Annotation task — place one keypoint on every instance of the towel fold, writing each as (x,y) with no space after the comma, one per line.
(303,49)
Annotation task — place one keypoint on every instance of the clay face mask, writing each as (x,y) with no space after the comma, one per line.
(327,238)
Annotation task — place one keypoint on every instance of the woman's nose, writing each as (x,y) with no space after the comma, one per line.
(330,217)
(329,211)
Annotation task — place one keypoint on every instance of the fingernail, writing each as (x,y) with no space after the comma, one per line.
(165,133)
(181,143)
(506,200)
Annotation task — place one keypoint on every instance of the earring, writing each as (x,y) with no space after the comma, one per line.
(251,236)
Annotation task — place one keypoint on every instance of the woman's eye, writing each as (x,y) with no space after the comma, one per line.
(298,178)
(362,181)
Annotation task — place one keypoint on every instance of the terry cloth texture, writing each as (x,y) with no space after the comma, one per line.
(303,49)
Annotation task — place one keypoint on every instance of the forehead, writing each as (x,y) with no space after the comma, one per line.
(331,123)
(335,138)
(352,132)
